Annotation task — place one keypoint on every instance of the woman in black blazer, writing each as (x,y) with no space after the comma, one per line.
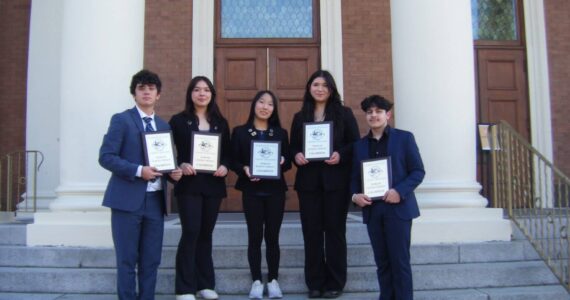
(263,199)
(199,195)
(322,187)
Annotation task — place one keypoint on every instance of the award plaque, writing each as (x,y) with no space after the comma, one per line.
(205,156)
(159,150)
(376,177)
(317,140)
(266,159)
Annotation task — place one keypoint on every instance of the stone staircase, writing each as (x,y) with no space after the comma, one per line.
(495,270)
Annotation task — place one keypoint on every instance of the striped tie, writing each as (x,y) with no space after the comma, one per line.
(148,127)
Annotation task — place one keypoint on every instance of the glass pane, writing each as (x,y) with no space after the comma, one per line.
(267,18)
(494,20)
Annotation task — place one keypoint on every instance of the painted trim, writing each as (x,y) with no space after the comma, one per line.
(331,41)
(203,38)
(538,77)
(203,15)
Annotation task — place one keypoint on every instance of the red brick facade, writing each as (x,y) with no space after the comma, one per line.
(367,52)
(168,50)
(15,25)
(558,38)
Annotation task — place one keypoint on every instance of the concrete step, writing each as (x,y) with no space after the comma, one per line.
(519,293)
(291,256)
(237,281)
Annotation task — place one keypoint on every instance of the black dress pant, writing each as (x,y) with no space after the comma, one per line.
(264,215)
(194,264)
(323,219)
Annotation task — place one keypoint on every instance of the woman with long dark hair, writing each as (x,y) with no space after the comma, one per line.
(199,195)
(263,199)
(322,186)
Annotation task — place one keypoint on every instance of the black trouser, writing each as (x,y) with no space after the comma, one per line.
(264,215)
(323,218)
(194,264)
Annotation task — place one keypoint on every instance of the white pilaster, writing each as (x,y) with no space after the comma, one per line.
(538,78)
(101,48)
(331,41)
(203,38)
(434,90)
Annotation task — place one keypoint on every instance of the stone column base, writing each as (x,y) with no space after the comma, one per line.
(70,228)
(460,225)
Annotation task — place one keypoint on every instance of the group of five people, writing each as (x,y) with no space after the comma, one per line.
(136,192)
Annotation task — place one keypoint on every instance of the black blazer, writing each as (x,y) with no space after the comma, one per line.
(182,126)
(241,149)
(318,175)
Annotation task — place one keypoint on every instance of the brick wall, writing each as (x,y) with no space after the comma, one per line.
(168,50)
(367,52)
(15,24)
(558,38)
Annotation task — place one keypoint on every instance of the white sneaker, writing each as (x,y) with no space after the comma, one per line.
(274,290)
(185,297)
(207,294)
(256,290)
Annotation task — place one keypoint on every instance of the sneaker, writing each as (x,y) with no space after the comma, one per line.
(256,290)
(207,294)
(185,297)
(274,290)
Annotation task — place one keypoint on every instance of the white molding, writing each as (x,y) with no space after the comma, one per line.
(538,77)
(203,38)
(331,41)
(203,20)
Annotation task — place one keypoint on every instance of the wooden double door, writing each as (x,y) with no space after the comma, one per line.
(240,72)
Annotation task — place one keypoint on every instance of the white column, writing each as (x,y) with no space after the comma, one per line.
(43,95)
(102,47)
(434,90)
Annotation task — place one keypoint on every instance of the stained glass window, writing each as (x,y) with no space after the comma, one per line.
(267,18)
(494,20)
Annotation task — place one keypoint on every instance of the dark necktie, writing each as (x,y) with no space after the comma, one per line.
(148,126)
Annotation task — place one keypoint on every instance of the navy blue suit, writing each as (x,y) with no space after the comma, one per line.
(389,225)
(137,216)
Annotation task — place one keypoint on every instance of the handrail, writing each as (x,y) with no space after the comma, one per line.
(18,180)
(535,196)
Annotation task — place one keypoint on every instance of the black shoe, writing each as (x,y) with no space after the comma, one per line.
(314,294)
(332,294)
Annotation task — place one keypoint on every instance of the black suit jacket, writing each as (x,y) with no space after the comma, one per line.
(182,126)
(241,149)
(316,175)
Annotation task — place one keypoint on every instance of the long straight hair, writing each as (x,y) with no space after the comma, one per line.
(213,114)
(333,108)
(273,120)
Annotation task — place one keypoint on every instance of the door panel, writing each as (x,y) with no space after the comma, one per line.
(241,72)
(289,69)
(502,88)
(502,96)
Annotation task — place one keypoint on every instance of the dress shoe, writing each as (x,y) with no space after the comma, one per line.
(315,294)
(332,294)
(207,294)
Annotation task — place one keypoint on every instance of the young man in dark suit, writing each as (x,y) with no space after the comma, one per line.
(389,221)
(136,193)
